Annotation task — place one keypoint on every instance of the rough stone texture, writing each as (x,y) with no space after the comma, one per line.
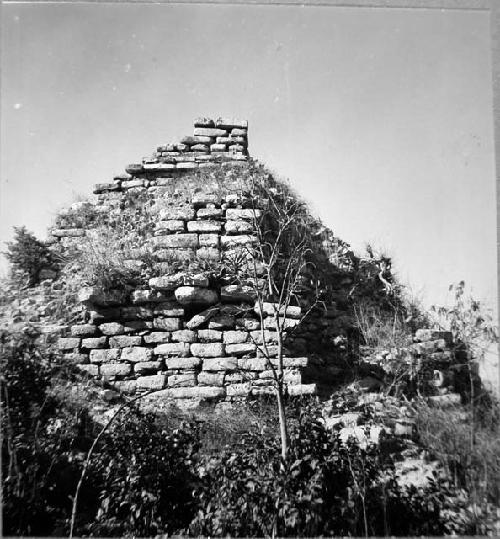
(236,293)
(105,355)
(84,330)
(115,369)
(173,349)
(183,363)
(92,370)
(184,335)
(95,342)
(167,324)
(147,367)
(240,349)
(137,354)
(68,343)
(220,364)
(209,335)
(193,295)
(123,342)
(204,226)
(182,380)
(207,349)
(167,282)
(210,379)
(156,381)
(235,337)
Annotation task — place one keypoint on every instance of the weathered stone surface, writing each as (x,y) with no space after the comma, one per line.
(235,337)
(236,148)
(302,389)
(220,364)
(204,122)
(209,240)
(210,379)
(183,363)
(207,349)
(76,358)
(105,355)
(218,147)
(209,335)
(168,309)
(201,318)
(204,226)
(172,349)
(198,392)
(155,381)
(253,364)
(231,123)
(209,213)
(138,325)
(167,282)
(269,309)
(173,241)
(245,215)
(285,323)
(238,227)
(237,293)
(183,213)
(124,341)
(112,328)
(250,324)
(292,362)
(135,313)
(200,148)
(243,239)
(209,132)
(193,295)
(167,324)
(115,369)
(184,335)
(208,253)
(239,132)
(222,321)
(196,279)
(92,370)
(68,343)
(134,168)
(129,184)
(167,227)
(146,367)
(157,337)
(240,349)
(261,336)
(175,253)
(95,296)
(182,380)
(137,354)
(83,330)
(103,187)
(94,342)
(187,166)
(239,390)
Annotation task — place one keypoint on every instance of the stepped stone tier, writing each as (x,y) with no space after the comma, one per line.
(186,333)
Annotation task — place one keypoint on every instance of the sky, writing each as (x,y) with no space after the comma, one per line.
(381,118)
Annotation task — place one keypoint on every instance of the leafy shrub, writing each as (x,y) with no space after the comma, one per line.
(324,488)
(28,255)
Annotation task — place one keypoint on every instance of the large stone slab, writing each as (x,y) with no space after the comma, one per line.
(184,335)
(207,349)
(167,282)
(220,364)
(182,363)
(231,123)
(96,296)
(124,342)
(156,381)
(115,369)
(167,324)
(204,226)
(137,354)
(83,330)
(246,214)
(237,293)
(183,213)
(147,367)
(201,318)
(193,295)
(182,380)
(95,342)
(104,355)
(209,132)
(173,349)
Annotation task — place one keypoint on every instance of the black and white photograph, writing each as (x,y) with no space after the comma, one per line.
(249,269)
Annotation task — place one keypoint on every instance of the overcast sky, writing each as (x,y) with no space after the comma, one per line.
(381,118)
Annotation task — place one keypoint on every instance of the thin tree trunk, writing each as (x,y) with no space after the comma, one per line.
(282,420)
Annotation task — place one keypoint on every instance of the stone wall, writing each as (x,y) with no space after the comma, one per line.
(187,333)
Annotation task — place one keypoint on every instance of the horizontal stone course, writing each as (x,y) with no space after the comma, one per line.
(207,349)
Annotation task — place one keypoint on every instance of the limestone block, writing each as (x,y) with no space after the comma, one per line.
(147,296)
(160,167)
(235,337)
(168,308)
(68,343)
(285,323)
(167,282)
(236,148)
(250,324)
(134,168)
(204,226)
(204,199)
(239,139)
(210,379)
(184,213)
(124,341)
(239,227)
(246,215)
(206,165)
(292,362)
(104,355)
(94,342)
(157,337)
(184,159)
(138,325)
(302,389)
(115,369)
(223,140)
(261,336)
(220,364)
(168,227)
(204,122)
(239,132)
(76,358)
(103,187)
(209,213)
(270,308)
(182,380)
(243,239)
(207,349)
(137,313)
(193,295)
(197,392)
(222,321)
(184,335)
(167,324)
(93,370)
(95,296)
(146,367)
(218,148)
(209,335)
(173,241)
(208,253)
(187,166)
(125,386)
(180,349)
(196,279)
(182,363)
(201,318)
(209,132)
(113,328)
(200,148)
(68,232)
(155,381)
(177,253)
(137,354)
(83,330)
(253,364)
(231,123)
(240,349)
(132,183)
(237,293)
(239,390)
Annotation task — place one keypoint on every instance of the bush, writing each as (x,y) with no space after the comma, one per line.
(29,256)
